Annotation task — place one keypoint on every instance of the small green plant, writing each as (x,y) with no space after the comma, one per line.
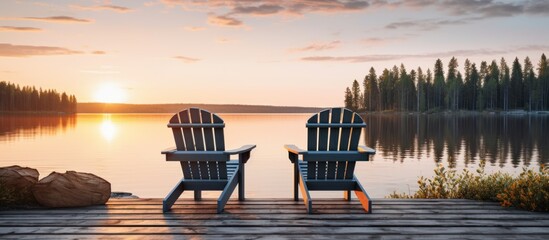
(530,190)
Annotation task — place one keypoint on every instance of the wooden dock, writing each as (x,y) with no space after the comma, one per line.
(277,219)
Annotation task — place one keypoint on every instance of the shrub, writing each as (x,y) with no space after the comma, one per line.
(530,190)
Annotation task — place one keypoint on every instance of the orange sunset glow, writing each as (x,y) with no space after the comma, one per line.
(249,52)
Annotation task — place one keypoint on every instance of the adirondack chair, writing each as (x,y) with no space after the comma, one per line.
(200,149)
(328,164)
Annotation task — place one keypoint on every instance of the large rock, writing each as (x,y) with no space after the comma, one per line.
(71,189)
(15,185)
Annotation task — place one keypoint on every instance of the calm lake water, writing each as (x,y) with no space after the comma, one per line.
(125,148)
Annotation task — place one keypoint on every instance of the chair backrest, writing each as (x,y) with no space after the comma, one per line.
(334,129)
(196,129)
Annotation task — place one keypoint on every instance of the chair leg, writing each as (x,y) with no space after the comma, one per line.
(306,196)
(296,180)
(169,200)
(227,191)
(241,196)
(363,197)
(197,195)
(347,195)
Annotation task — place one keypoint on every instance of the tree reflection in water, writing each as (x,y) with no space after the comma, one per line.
(27,125)
(499,139)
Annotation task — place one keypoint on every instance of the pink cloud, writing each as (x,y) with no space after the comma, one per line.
(9,50)
(225,21)
(19,29)
(113,8)
(317,47)
(56,19)
(187,59)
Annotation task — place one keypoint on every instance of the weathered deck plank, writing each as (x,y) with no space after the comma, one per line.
(278,218)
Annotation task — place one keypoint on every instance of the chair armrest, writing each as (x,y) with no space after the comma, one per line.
(364,149)
(240,150)
(294,149)
(243,153)
(168,150)
(293,152)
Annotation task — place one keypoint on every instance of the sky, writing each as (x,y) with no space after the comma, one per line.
(265,52)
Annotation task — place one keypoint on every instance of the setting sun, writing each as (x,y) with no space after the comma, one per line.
(110,93)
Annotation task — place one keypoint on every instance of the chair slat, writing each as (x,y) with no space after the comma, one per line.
(189,141)
(177,134)
(219,136)
(344,143)
(353,145)
(197,131)
(312,140)
(219,139)
(208,131)
(324,117)
(333,145)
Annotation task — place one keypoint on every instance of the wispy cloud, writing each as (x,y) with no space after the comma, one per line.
(386,57)
(264,9)
(480,8)
(194,29)
(113,8)
(10,50)
(317,47)
(187,59)
(98,52)
(224,21)
(19,29)
(429,24)
(55,19)
(233,8)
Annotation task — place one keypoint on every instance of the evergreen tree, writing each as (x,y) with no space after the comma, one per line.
(429,89)
(516,85)
(477,90)
(371,91)
(452,87)
(384,89)
(412,90)
(529,80)
(439,84)
(468,86)
(458,91)
(357,96)
(421,86)
(505,84)
(348,99)
(491,85)
(543,82)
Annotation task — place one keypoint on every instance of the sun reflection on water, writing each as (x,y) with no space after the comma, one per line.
(108,128)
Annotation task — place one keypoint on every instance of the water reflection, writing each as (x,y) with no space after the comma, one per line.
(500,140)
(108,128)
(125,148)
(24,125)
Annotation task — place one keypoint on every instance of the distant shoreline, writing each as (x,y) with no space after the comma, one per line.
(176,107)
